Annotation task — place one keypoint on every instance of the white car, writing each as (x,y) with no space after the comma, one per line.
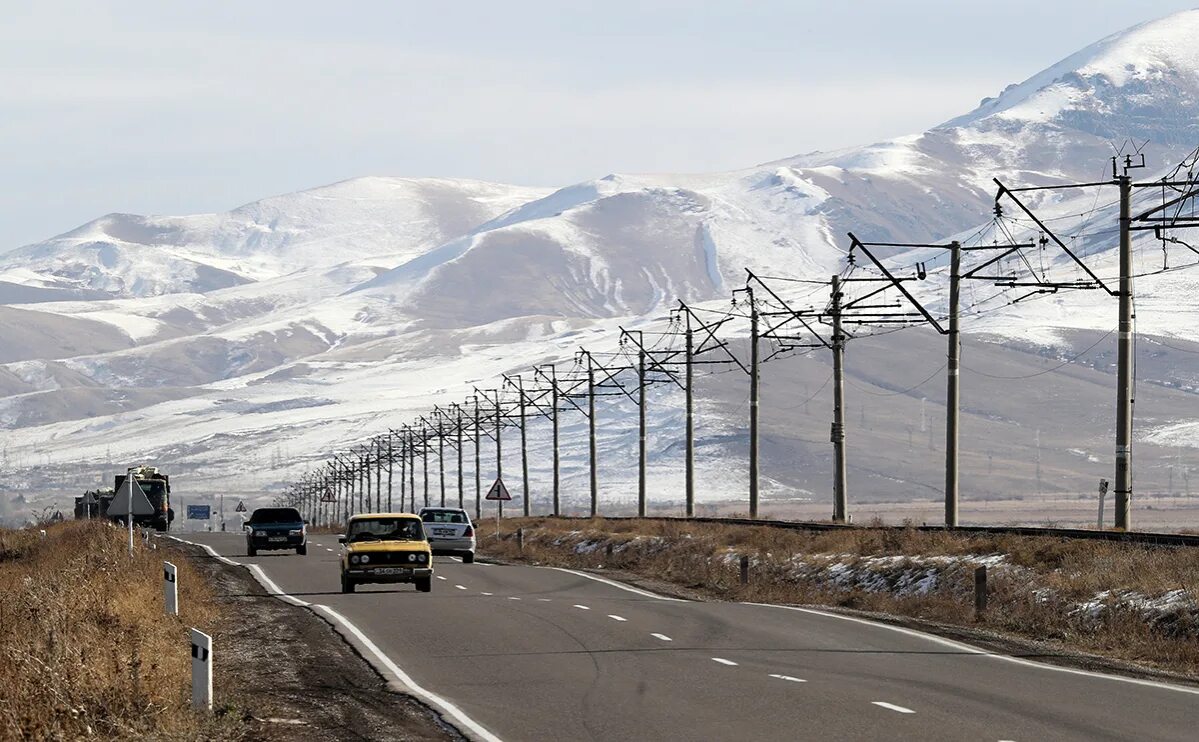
(450,531)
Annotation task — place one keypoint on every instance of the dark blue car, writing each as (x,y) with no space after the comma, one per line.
(275,529)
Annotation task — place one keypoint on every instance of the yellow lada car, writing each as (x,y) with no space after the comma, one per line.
(385,547)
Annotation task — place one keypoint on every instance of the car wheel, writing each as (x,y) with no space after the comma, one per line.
(302,549)
(468,558)
(347,585)
(250,550)
(424,584)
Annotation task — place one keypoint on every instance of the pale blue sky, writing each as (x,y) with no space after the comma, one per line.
(171,107)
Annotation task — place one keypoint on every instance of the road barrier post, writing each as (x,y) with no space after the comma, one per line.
(520,539)
(608,551)
(201,670)
(170,588)
(744,569)
(980,592)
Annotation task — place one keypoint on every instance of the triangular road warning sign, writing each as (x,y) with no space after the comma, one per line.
(498,491)
(241,508)
(130,491)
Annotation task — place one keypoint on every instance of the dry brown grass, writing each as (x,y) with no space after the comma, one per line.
(1035,593)
(85,647)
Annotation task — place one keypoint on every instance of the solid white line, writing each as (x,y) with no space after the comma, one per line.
(663,637)
(616,618)
(612,583)
(436,700)
(788,678)
(457,559)
(581,607)
(382,659)
(975,650)
(460,587)
(723,661)
(893,707)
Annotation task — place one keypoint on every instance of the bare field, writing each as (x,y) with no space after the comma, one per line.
(85,647)
(1125,603)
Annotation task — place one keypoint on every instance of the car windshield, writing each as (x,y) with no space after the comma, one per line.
(275,515)
(385,529)
(443,516)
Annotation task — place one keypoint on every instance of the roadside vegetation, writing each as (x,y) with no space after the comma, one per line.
(1131,603)
(86,650)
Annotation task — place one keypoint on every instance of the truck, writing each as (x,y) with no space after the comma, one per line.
(157,487)
(93,504)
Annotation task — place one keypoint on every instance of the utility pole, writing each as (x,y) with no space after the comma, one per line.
(499,448)
(591,443)
(424,456)
(553,380)
(379,475)
(441,452)
(689,489)
(390,464)
(458,409)
(1124,359)
(840,499)
(524,450)
(952,391)
(753,404)
(478,465)
(411,468)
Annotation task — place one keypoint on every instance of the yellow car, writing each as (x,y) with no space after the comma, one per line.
(386,547)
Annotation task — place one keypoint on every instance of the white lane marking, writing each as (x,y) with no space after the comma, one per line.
(488,593)
(581,607)
(545,600)
(440,577)
(457,559)
(723,661)
(460,587)
(626,588)
(975,650)
(328,549)
(513,597)
(450,709)
(663,637)
(893,707)
(209,549)
(788,678)
(614,617)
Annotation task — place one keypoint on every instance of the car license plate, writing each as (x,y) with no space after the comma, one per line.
(390,570)
(443,531)
(277,538)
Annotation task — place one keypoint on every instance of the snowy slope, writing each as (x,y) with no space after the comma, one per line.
(305,322)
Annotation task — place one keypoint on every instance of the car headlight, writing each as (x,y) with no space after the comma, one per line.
(412,557)
(423,558)
(295,532)
(365,559)
(259,533)
(354,559)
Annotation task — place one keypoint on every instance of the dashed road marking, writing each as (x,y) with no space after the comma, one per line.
(328,549)
(788,678)
(487,593)
(893,707)
(614,617)
(723,661)
(440,577)
(513,597)
(460,587)
(663,637)
(581,607)
(545,600)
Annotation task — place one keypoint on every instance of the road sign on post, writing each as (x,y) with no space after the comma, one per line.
(499,493)
(329,495)
(129,501)
(241,507)
(201,670)
(170,588)
(199,512)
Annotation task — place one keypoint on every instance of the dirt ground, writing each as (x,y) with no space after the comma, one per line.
(297,679)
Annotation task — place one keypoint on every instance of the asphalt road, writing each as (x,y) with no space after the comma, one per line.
(542,654)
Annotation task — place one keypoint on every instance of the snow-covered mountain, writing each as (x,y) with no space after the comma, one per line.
(301,323)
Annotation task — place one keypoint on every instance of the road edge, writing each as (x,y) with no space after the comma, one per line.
(391,673)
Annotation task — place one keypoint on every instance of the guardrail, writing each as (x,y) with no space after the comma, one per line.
(1131,537)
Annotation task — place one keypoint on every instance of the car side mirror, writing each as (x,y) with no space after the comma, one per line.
(305,522)
(341,539)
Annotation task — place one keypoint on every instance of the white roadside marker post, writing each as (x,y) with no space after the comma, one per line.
(201,670)
(170,589)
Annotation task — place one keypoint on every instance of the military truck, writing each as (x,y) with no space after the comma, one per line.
(157,487)
(93,504)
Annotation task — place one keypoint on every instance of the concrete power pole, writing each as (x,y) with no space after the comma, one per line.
(641,497)
(753,404)
(524,449)
(478,464)
(952,391)
(1124,361)
(840,500)
(690,402)
(458,409)
(591,444)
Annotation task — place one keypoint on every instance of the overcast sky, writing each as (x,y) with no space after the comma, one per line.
(171,108)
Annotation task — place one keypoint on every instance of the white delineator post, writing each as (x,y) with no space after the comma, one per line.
(170,589)
(201,670)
